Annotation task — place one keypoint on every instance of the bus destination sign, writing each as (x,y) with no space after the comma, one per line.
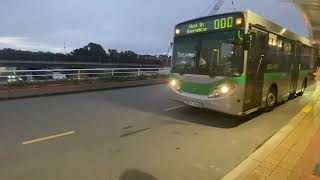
(209,24)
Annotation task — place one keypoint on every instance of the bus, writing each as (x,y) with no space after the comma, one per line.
(238,63)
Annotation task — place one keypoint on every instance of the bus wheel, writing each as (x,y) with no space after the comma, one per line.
(304,86)
(271,99)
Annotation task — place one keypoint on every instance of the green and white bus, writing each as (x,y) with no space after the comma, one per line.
(238,63)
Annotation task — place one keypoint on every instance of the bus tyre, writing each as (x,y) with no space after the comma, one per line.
(271,99)
(304,86)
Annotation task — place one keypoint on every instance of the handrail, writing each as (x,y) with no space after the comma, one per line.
(97,69)
(71,74)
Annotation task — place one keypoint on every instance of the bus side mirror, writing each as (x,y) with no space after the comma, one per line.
(247,41)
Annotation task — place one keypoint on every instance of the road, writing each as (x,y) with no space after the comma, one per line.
(132,133)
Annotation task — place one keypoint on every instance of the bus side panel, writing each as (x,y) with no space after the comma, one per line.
(278,62)
(304,66)
(255,70)
(303,74)
(281,80)
(266,86)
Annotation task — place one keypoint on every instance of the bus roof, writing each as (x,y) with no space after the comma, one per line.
(264,24)
(205,17)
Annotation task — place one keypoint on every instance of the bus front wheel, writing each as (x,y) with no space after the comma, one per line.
(271,99)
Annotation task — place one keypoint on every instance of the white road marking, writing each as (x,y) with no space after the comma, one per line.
(48,138)
(173,108)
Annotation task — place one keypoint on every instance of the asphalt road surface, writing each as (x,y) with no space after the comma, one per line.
(127,134)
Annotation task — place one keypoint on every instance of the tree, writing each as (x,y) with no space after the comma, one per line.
(128,55)
(113,53)
(92,49)
(131,54)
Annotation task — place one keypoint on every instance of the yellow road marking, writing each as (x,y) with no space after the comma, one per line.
(48,137)
(307,109)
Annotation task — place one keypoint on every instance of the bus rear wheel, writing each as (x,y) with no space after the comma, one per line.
(271,99)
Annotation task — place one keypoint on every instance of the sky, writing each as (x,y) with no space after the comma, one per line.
(144,26)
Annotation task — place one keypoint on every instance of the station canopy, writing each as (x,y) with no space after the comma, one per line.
(311,13)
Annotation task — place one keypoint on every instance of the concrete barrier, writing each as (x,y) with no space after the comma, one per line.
(29,92)
(4,94)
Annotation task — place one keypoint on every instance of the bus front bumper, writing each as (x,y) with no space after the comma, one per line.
(229,105)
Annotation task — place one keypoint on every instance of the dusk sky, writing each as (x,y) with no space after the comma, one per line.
(145,26)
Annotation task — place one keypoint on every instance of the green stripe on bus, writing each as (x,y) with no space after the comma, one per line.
(205,88)
(275,75)
(172,75)
(304,72)
(197,88)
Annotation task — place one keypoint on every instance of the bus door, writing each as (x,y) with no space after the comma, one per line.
(295,67)
(255,70)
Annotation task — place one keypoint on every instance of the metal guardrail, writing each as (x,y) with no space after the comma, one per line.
(77,59)
(9,76)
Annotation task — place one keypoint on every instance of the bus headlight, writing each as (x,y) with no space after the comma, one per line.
(173,82)
(174,85)
(222,91)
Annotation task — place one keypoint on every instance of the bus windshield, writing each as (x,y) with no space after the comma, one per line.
(214,54)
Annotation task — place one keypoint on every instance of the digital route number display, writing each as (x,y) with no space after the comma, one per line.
(215,23)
